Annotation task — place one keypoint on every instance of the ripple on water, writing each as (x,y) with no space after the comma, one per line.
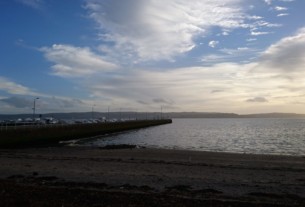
(258,136)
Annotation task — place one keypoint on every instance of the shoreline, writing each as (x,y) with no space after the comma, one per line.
(74,143)
(196,150)
(196,177)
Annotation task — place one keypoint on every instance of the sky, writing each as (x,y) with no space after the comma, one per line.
(234,56)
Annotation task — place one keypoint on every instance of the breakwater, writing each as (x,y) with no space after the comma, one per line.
(52,135)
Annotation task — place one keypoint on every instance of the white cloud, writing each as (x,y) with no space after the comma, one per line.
(261,23)
(286,55)
(11,87)
(258,25)
(282,14)
(213,43)
(156,29)
(251,39)
(214,58)
(254,33)
(230,55)
(237,51)
(279,8)
(225,33)
(35,4)
(73,61)
(255,17)
(269,2)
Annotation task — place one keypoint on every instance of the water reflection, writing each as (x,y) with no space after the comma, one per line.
(259,136)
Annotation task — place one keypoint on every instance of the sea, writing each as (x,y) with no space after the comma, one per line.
(238,135)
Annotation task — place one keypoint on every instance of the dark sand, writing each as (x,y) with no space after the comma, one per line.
(77,176)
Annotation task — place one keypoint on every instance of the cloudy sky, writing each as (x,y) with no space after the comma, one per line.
(199,55)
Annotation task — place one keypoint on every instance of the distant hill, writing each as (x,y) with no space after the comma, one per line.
(155,115)
(232,115)
(201,115)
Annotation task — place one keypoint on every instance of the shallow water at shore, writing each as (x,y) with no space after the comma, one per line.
(253,136)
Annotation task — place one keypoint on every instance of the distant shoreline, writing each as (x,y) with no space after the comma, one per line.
(152,115)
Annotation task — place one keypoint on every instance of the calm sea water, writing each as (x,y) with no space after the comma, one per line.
(255,136)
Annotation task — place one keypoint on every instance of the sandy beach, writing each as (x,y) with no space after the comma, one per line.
(80,176)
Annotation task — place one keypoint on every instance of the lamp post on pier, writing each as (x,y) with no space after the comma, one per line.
(92,111)
(108,114)
(34,107)
(161,115)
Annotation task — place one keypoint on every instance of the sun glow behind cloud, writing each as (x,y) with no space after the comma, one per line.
(236,84)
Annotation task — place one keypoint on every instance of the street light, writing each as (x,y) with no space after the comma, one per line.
(34,107)
(161,112)
(120,114)
(92,111)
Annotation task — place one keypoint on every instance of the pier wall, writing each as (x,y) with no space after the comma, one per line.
(52,135)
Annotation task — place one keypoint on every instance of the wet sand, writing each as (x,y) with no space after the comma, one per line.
(79,176)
